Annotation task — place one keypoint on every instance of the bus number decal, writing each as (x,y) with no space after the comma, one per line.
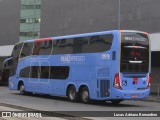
(105,56)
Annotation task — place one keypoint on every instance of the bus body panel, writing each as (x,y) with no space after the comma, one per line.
(95,70)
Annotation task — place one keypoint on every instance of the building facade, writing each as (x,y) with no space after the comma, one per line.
(27,19)
(62,18)
(31,19)
(9,21)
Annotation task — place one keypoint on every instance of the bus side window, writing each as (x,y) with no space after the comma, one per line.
(17,50)
(99,43)
(42,47)
(35,72)
(45,47)
(36,48)
(25,72)
(59,72)
(78,45)
(45,70)
(63,46)
(27,49)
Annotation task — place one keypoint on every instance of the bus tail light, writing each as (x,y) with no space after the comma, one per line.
(149,81)
(117,81)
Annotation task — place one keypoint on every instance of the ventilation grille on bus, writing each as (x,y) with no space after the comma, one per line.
(104,88)
(103,72)
(127,67)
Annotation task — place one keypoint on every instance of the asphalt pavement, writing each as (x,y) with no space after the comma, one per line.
(13,101)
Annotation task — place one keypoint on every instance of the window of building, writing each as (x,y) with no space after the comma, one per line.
(37,20)
(25,7)
(29,34)
(30,20)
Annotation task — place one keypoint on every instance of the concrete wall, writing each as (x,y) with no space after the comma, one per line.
(9,21)
(77,16)
(61,17)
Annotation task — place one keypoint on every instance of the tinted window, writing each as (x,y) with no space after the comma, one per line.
(90,44)
(42,47)
(13,68)
(25,72)
(27,49)
(135,46)
(45,70)
(59,72)
(15,54)
(134,52)
(17,50)
(64,46)
(35,72)
(95,44)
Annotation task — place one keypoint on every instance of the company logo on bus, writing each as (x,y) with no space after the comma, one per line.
(72,58)
(134,38)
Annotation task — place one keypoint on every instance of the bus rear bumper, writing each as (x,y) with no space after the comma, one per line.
(125,95)
(130,95)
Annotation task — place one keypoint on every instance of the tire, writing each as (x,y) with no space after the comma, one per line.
(116,102)
(22,89)
(72,94)
(84,95)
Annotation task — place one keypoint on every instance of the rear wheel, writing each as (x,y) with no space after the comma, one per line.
(84,95)
(72,94)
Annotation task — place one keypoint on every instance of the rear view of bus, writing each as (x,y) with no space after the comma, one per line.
(134,79)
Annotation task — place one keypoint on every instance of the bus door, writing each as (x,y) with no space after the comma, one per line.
(45,76)
(34,79)
(134,63)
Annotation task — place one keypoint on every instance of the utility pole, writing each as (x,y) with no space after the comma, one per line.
(119,14)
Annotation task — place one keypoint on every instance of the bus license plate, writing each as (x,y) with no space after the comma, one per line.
(134,95)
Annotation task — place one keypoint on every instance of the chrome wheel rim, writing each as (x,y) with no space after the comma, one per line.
(72,94)
(21,89)
(85,96)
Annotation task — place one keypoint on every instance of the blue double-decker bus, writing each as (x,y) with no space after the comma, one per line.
(107,66)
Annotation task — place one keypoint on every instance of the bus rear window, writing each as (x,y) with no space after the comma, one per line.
(134,52)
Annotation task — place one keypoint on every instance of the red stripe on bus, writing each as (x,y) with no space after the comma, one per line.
(43,39)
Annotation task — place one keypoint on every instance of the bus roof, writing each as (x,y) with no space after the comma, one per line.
(85,34)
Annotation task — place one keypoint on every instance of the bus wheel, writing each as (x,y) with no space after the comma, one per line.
(115,102)
(72,95)
(21,89)
(84,95)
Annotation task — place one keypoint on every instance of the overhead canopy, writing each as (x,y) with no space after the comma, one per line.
(155,41)
(6,51)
